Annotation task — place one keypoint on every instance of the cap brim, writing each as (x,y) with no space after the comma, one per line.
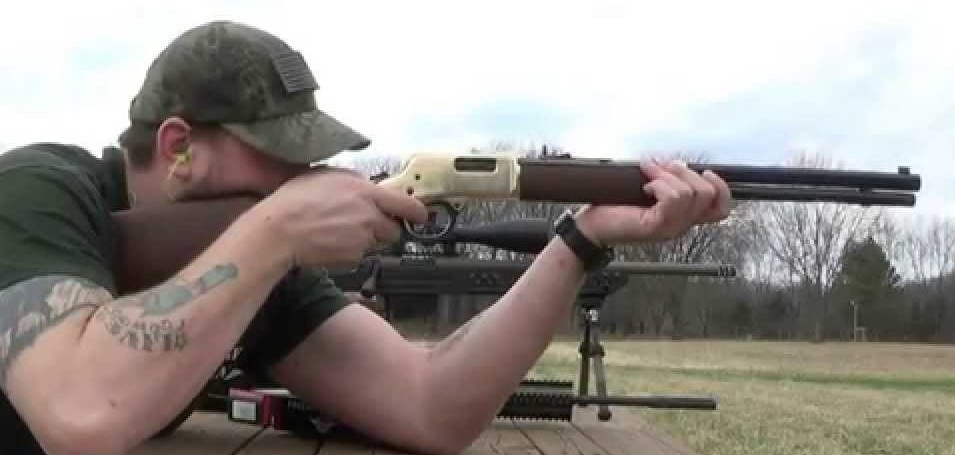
(302,138)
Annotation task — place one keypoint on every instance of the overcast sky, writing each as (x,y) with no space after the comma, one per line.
(745,82)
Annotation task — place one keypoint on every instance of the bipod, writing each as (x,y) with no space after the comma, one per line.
(591,350)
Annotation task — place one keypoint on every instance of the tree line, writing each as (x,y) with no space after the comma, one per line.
(806,271)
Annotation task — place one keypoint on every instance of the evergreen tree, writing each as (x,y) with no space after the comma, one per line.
(868,279)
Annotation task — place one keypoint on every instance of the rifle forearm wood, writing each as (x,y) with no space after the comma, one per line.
(582,181)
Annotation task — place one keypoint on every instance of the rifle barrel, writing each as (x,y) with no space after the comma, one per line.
(559,405)
(674,268)
(847,196)
(780,175)
(652,401)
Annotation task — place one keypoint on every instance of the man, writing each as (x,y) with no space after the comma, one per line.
(227,109)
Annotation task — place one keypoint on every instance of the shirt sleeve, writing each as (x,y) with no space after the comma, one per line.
(299,304)
(52,221)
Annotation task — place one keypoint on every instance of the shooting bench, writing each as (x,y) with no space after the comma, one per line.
(627,434)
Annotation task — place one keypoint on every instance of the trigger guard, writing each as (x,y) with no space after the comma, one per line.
(452,214)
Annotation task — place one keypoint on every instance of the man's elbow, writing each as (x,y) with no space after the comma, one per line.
(83,432)
(447,427)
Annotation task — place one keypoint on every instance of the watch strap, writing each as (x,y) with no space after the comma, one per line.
(593,256)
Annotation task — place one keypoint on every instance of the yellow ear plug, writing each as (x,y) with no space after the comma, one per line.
(182,158)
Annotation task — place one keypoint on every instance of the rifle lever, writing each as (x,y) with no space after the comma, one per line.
(442,216)
(370,286)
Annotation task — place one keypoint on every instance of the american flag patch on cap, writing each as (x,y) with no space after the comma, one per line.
(293,71)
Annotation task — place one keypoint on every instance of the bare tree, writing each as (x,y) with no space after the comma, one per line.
(929,249)
(887,232)
(375,165)
(809,240)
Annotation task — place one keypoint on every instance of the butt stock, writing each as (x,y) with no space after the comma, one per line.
(151,245)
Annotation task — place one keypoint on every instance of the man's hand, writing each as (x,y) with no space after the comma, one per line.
(332,217)
(684,199)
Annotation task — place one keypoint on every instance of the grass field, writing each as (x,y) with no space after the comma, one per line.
(787,398)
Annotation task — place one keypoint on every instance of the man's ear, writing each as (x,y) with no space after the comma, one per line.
(172,142)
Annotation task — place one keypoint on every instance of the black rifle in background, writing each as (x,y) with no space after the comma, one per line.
(445,273)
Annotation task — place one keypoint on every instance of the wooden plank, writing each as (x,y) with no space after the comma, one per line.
(626,434)
(204,433)
(388,450)
(558,438)
(348,442)
(347,445)
(271,442)
(502,437)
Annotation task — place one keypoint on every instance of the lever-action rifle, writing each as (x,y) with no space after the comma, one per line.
(444,181)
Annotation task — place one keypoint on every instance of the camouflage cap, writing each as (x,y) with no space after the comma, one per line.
(251,83)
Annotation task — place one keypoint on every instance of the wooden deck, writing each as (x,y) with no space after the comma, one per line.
(626,434)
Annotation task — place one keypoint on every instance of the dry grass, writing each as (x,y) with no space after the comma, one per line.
(788,398)
(879,359)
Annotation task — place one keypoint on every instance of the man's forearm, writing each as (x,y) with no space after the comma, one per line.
(476,368)
(137,361)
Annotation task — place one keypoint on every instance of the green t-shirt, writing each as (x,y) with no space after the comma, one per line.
(55,204)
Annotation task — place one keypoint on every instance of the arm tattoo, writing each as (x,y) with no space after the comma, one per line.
(152,329)
(452,339)
(29,308)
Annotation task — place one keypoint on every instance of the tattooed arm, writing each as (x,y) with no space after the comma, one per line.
(90,373)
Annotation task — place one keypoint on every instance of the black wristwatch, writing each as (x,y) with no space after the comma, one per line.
(590,254)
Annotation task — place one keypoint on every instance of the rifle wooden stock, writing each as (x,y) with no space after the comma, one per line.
(150,245)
